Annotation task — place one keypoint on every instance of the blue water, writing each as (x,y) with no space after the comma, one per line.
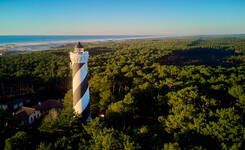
(36,39)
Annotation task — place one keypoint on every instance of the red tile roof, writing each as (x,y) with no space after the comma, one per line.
(28,110)
(22,116)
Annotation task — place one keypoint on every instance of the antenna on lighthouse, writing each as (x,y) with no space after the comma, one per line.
(81,98)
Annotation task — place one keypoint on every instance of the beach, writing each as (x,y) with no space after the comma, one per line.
(6,49)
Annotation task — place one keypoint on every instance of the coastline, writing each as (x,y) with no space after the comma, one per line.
(20,48)
(82,41)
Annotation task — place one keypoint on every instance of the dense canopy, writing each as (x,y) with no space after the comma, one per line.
(172,93)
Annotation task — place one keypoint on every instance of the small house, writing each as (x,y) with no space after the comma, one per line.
(18,103)
(27,115)
(45,106)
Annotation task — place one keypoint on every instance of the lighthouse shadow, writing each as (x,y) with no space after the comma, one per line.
(98,50)
(199,56)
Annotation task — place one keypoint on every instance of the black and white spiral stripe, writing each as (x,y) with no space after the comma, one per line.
(81,100)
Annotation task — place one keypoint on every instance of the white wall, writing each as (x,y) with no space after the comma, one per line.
(36,114)
(4,107)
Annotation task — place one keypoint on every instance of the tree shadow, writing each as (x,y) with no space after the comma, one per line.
(199,56)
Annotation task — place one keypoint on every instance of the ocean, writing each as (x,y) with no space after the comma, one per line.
(38,39)
(25,43)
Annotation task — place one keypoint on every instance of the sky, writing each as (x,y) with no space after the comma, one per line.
(121,17)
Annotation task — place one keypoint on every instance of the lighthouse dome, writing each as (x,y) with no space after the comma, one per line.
(79,45)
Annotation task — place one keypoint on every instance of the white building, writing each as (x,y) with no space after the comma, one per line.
(27,115)
(3,106)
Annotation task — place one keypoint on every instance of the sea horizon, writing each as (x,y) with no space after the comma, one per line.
(46,42)
(41,39)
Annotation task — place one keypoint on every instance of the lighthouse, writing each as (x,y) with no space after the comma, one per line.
(81,99)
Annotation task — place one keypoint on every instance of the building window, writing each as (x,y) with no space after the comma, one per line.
(20,104)
(15,106)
